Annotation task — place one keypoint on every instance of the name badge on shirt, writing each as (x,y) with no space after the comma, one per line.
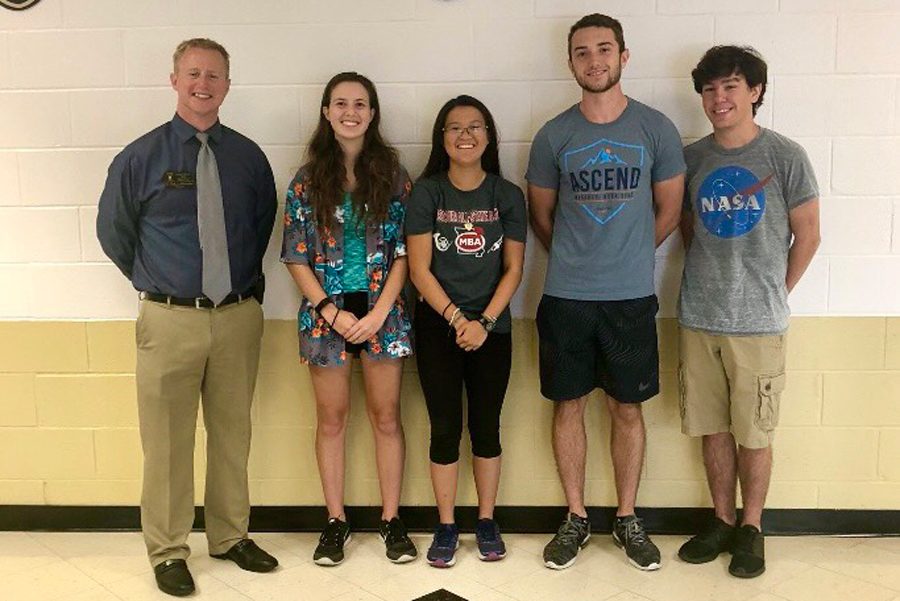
(179,179)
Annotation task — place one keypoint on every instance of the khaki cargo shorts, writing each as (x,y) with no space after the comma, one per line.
(731,383)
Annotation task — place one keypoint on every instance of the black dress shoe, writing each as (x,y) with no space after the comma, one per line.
(173,577)
(249,557)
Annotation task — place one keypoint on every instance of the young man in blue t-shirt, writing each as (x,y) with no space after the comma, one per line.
(605,183)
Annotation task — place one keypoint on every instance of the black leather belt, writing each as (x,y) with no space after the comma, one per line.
(200,302)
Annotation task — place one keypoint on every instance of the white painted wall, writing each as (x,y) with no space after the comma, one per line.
(81,78)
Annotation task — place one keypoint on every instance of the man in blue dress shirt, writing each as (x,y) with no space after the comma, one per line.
(189,346)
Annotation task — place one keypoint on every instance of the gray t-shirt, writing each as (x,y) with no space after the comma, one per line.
(740,198)
(603,232)
(467,230)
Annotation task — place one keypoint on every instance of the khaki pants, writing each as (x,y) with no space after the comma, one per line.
(183,354)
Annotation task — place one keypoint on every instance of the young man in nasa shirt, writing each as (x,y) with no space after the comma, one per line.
(750,227)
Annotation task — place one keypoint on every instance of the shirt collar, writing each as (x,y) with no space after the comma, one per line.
(185,131)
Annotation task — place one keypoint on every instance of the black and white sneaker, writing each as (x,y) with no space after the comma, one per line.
(561,551)
(398,546)
(628,533)
(330,551)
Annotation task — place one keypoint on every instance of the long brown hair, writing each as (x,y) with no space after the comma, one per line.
(374,170)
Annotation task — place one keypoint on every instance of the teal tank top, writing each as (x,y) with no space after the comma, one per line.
(353,274)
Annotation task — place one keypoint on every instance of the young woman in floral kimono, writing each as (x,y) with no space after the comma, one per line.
(344,247)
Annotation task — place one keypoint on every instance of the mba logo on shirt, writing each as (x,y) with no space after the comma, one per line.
(731,201)
(604,176)
(470,240)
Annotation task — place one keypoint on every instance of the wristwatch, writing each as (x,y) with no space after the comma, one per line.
(487,323)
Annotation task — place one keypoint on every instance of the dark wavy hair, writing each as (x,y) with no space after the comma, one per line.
(597,20)
(439,161)
(375,167)
(722,61)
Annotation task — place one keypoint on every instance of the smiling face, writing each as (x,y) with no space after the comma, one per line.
(349,111)
(465,135)
(596,60)
(201,81)
(728,102)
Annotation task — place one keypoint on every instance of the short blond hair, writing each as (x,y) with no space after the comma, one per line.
(205,44)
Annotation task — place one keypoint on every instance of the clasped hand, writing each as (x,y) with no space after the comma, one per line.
(357,331)
(470,335)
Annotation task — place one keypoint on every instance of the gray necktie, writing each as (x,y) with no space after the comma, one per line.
(211,223)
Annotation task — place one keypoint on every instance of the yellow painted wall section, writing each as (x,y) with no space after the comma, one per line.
(68,424)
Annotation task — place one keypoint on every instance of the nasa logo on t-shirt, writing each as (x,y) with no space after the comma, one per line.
(731,201)
(469,240)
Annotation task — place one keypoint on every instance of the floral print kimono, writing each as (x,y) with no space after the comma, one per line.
(302,243)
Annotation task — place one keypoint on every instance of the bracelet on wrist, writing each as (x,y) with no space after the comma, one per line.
(453,317)
(449,304)
(322,304)
(336,313)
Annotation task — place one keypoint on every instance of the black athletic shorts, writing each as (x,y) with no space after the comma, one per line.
(358,304)
(598,344)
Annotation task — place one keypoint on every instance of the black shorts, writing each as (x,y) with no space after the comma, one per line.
(598,344)
(356,303)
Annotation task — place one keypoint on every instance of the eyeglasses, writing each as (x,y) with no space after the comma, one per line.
(473,130)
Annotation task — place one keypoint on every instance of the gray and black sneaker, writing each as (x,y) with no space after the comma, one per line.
(628,533)
(716,538)
(330,551)
(398,546)
(561,551)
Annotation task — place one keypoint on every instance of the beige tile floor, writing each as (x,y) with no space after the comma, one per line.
(112,566)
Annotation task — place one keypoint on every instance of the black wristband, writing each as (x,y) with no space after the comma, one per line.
(322,304)
(445,309)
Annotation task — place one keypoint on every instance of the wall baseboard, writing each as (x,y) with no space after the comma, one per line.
(516,519)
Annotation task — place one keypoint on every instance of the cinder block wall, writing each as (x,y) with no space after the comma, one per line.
(81,78)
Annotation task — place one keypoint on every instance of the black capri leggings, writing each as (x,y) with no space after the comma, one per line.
(443,369)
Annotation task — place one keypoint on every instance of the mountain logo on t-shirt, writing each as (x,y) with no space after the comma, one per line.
(604,176)
(731,201)
(606,155)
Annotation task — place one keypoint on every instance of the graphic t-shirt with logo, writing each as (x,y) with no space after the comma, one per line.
(740,201)
(603,232)
(467,230)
